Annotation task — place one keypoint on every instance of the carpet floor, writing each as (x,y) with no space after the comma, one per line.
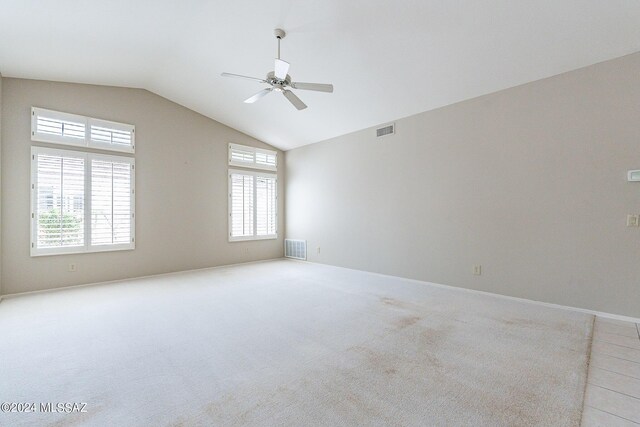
(290,343)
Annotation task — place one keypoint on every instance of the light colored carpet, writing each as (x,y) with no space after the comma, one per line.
(290,343)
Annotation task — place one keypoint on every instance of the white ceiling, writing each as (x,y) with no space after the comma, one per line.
(386,59)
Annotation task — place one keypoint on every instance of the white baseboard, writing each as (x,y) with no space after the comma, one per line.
(530,301)
(474,291)
(107,282)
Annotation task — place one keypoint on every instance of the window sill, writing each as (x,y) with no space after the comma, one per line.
(252,238)
(80,250)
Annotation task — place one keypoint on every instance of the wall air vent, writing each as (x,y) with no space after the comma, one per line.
(386,130)
(295,249)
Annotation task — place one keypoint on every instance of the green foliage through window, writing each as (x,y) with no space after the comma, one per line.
(55,227)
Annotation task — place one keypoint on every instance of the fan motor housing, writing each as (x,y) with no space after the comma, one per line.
(274,81)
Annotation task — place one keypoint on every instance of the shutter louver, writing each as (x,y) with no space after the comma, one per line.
(59,201)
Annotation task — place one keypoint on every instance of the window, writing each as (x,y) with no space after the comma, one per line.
(251,157)
(81,202)
(253,198)
(253,204)
(71,129)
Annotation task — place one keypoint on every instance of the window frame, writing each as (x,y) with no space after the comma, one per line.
(88,159)
(255,235)
(253,164)
(88,123)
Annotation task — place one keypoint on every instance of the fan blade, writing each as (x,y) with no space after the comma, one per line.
(319,87)
(258,95)
(281,69)
(243,77)
(294,100)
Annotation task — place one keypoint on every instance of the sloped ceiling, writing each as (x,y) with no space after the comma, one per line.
(386,59)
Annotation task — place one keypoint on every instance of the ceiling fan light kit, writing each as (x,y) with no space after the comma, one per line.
(280,80)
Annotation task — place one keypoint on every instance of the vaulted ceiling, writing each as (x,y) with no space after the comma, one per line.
(386,59)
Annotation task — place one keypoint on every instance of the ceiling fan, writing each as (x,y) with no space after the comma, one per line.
(280,81)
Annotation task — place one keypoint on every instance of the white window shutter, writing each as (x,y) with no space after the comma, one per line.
(57,127)
(59,199)
(251,157)
(72,129)
(122,203)
(266,206)
(253,205)
(241,203)
(241,155)
(111,135)
(266,159)
(81,202)
(111,214)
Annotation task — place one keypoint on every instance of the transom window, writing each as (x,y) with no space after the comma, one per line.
(252,157)
(57,127)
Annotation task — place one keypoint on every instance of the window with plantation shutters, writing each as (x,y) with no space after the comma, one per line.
(252,205)
(73,129)
(252,157)
(81,202)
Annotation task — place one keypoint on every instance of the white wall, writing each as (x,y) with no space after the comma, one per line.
(181,188)
(1,183)
(529,182)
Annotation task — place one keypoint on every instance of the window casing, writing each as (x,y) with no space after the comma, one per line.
(253,205)
(81,202)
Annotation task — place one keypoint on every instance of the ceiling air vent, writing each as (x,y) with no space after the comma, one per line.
(386,130)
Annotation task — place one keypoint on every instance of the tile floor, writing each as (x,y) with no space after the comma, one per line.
(613,390)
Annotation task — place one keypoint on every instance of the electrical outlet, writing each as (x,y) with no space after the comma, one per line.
(633,220)
(73,267)
(477,270)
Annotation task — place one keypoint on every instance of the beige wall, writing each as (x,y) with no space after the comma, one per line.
(529,182)
(181,188)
